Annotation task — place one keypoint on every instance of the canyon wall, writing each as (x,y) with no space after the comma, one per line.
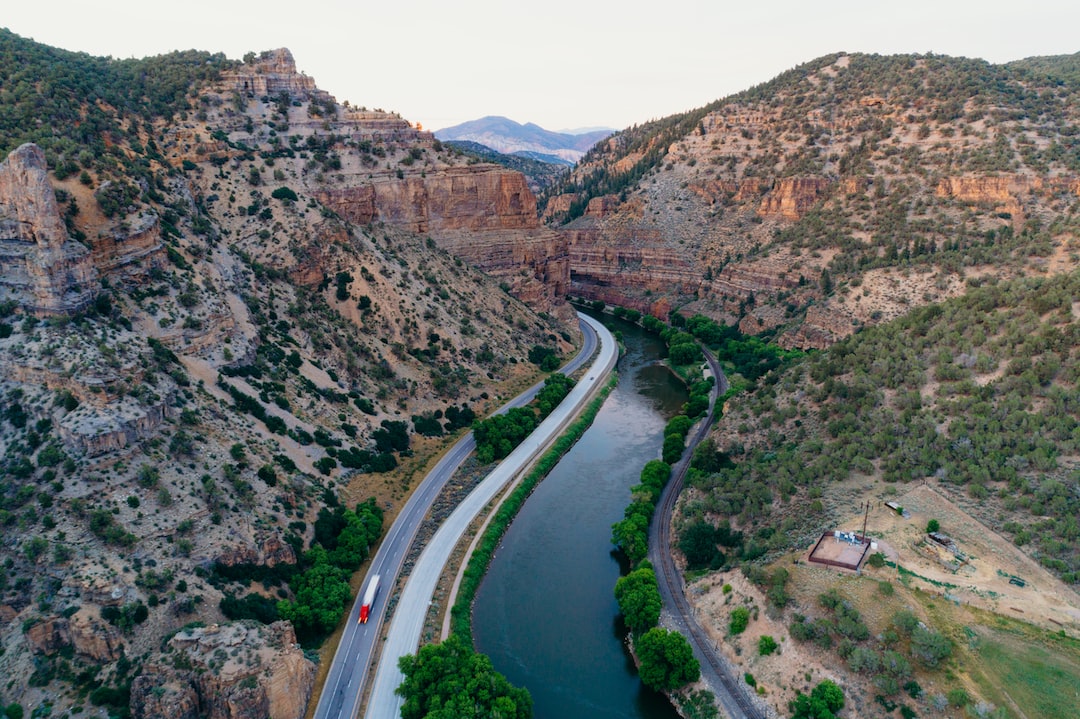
(482,213)
(41,268)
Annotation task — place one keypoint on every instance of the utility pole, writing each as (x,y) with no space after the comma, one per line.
(865,517)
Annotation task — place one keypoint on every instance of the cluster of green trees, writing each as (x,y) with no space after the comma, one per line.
(319,582)
(822,702)
(675,437)
(430,424)
(666,661)
(885,659)
(546,358)
(701,542)
(449,679)
(638,595)
(631,534)
(497,435)
(70,101)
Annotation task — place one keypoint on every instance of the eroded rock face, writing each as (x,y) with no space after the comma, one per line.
(483,214)
(791,197)
(41,268)
(94,638)
(242,670)
(48,636)
(271,552)
(130,248)
(95,430)
(273,73)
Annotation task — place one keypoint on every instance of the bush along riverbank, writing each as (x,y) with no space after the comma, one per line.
(664,658)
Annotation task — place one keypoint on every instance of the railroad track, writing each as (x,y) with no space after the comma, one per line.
(733,696)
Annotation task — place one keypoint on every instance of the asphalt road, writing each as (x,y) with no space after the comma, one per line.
(356,652)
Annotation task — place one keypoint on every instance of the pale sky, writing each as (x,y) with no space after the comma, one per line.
(561,64)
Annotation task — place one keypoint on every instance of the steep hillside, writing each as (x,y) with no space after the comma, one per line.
(230,309)
(961,414)
(840,194)
(508,137)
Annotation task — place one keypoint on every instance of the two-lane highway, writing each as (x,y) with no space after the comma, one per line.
(343,689)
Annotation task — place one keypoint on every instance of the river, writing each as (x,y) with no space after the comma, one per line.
(546,612)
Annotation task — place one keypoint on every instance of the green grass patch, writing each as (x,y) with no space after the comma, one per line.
(1039,677)
(461,612)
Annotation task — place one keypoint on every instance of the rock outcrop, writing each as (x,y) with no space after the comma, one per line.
(48,636)
(273,73)
(91,637)
(241,670)
(87,634)
(484,214)
(131,247)
(94,430)
(791,197)
(270,552)
(41,268)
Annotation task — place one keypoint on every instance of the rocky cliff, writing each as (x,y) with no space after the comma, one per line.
(41,268)
(240,671)
(483,214)
(794,194)
(273,73)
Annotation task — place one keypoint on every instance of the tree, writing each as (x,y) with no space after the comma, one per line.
(930,647)
(684,354)
(639,598)
(631,535)
(766,645)
(822,703)
(451,680)
(322,593)
(667,661)
(932,526)
(740,619)
(698,544)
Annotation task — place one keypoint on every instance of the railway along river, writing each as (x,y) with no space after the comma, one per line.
(546,611)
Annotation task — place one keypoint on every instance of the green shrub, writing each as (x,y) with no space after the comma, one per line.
(740,620)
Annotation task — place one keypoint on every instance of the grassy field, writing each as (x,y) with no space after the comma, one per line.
(1028,672)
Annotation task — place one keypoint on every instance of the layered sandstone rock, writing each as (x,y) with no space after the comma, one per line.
(94,430)
(48,636)
(130,248)
(41,268)
(791,197)
(91,637)
(482,213)
(270,552)
(1003,192)
(241,670)
(273,73)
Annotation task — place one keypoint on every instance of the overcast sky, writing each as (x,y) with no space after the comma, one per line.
(561,64)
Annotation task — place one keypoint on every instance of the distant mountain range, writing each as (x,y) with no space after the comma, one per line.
(529,140)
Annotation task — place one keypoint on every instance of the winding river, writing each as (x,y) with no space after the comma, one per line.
(546,613)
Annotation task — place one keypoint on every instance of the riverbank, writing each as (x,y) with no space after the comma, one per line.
(500,515)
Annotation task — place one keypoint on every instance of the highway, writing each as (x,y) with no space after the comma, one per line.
(677,612)
(344,687)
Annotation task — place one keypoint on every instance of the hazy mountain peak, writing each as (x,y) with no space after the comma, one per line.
(507,136)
